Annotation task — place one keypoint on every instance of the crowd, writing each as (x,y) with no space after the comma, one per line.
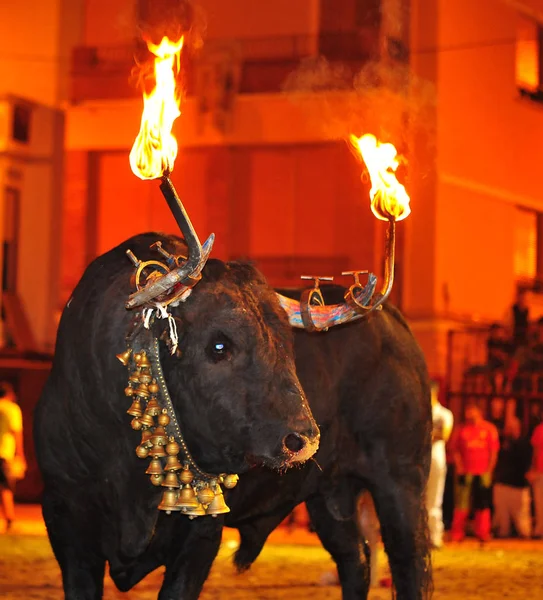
(498,473)
(514,352)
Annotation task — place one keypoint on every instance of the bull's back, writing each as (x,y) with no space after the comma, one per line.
(368,378)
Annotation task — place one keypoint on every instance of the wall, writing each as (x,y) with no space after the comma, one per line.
(261,202)
(250,19)
(35,45)
(468,178)
(489,150)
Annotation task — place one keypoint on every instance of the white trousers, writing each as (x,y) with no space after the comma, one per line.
(511,505)
(434,493)
(537,487)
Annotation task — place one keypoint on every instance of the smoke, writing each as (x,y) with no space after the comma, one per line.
(171,18)
(156,19)
(384,98)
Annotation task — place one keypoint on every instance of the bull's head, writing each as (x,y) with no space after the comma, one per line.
(237,395)
(242,402)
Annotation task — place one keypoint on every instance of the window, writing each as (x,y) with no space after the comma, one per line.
(21,123)
(525,244)
(529,58)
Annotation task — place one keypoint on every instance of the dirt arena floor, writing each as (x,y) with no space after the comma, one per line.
(292,566)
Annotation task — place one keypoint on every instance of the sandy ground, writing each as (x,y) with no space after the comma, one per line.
(291,566)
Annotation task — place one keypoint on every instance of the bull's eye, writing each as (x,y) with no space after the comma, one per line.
(219,348)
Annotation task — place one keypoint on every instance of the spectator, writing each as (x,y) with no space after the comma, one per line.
(442,426)
(511,492)
(535,476)
(474,446)
(497,413)
(534,357)
(520,315)
(534,416)
(12,461)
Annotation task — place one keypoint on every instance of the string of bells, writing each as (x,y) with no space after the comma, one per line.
(186,492)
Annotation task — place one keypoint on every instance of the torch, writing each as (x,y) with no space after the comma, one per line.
(389,202)
(152,157)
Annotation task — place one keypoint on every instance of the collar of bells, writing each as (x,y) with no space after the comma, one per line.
(189,490)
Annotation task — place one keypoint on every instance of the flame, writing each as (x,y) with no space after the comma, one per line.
(155,148)
(389,200)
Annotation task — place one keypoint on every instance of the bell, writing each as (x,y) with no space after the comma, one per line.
(172,447)
(134,376)
(144,361)
(172,464)
(157,479)
(142,390)
(136,424)
(197,511)
(124,356)
(137,357)
(135,410)
(157,450)
(128,391)
(154,468)
(147,420)
(186,475)
(206,495)
(142,451)
(171,480)
(159,436)
(145,376)
(145,435)
(187,499)
(218,505)
(163,418)
(153,387)
(169,501)
(153,408)
(230,481)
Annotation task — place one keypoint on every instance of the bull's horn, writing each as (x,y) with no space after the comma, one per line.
(190,272)
(358,299)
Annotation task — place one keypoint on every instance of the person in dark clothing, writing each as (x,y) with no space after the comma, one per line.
(511,494)
(521,317)
(497,414)
(534,360)
(498,363)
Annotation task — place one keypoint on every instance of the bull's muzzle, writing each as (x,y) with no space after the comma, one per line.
(299,447)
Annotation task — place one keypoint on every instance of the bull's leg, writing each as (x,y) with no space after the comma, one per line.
(402,514)
(190,558)
(82,567)
(253,536)
(342,540)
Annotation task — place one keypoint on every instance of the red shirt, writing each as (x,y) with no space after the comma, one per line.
(475,443)
(537,443)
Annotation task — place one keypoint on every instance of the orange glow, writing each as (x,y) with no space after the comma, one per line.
(155,148)
(389,200)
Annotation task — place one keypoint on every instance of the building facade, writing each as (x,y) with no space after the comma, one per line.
(264,161)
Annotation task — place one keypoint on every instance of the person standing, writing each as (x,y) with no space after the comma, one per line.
(442,425)
(474,446)
(12,460)
(511,493)
(535,477)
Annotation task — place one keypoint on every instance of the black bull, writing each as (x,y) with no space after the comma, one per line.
(367,386)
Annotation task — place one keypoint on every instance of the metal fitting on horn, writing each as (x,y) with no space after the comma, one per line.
(312,297)
(189,273)
(358,299)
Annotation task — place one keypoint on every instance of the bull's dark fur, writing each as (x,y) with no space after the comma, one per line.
(367,386)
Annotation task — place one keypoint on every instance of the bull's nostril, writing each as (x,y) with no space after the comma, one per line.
(294,442)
